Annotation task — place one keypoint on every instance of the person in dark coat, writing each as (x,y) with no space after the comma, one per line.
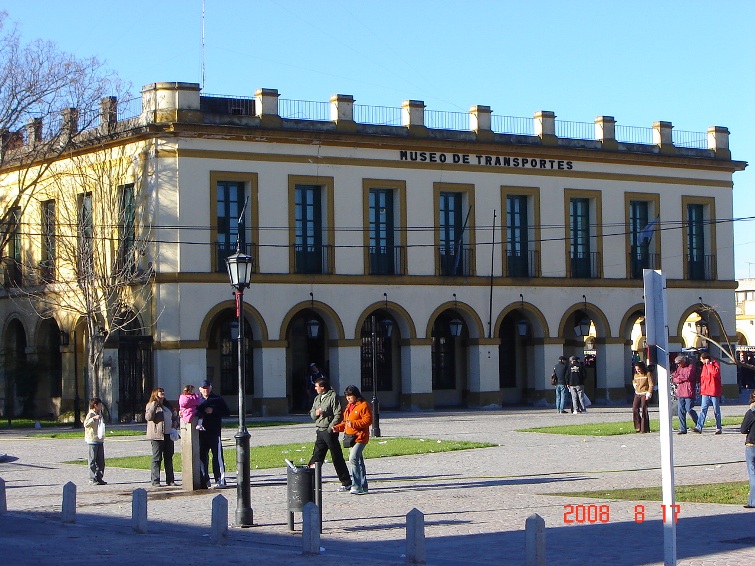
(212,410)
(577,385)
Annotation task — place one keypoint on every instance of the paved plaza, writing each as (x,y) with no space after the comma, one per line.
(475,502)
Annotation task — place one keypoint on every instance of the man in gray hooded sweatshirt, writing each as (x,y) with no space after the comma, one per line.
(327,412)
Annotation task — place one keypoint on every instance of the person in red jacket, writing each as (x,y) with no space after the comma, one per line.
(710,389)
(357,419)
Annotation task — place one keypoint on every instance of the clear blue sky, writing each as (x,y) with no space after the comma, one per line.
(688,62)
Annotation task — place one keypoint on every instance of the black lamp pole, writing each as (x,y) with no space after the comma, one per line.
(375,401)
(239,270)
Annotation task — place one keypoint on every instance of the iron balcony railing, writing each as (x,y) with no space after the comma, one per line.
(455,261)
(640,259)
(522,263)
(585,265)
(223,250)
(387,260)
(313,258)
(701,268)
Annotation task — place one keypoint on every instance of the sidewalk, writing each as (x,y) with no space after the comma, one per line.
(475,502)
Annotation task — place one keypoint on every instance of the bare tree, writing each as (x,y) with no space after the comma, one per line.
(93,238)
(46,95)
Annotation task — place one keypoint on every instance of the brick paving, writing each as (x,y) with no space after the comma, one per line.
(475,502)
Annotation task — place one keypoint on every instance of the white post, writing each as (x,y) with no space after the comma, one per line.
(69,502)
(310,531)
(139,510)
(3,502)
(219,521)
(534,541)
(415,537)
(657,338)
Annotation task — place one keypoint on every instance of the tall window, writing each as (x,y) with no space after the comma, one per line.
(127,228)
(85,236)
(229,202)
(308,243)
(517,236)
(13,261)
(383,260)
(579,223)
(639,218)
(452,252)
(47,265)
(696,241)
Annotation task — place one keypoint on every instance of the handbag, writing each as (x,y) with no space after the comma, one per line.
(349,440)
(554,379)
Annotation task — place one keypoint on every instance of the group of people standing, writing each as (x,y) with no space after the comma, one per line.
(569,376)
(163,424)
(354,421)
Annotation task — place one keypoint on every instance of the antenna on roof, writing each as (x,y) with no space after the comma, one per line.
(202,45)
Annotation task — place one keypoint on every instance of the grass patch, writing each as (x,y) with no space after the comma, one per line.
(274,456)
(142,431)
(613,429)
(732,493)
(32,423)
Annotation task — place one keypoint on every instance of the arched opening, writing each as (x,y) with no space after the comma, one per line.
(18,381)
(49,370)
(223,356)
(135,369)
(514,357)
(378,336)
(449,359)
(307,339)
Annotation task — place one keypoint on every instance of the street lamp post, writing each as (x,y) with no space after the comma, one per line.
(387,325)
(240,273)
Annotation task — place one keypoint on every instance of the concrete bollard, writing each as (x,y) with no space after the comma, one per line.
(415,537)
(219,523)
(310,532)
(191,477)
(3,501)
(534,537)
(69,502)
(139,510)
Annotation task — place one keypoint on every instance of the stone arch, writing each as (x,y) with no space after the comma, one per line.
(399,314)
(598,317)
(527,309)
(251,315)
(471,318)
(325,311)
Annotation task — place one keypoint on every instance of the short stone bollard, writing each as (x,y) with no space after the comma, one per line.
(3,501)
(534,537)
(69,502)
(139,510)
(219,523)
(310,532)
(415,537)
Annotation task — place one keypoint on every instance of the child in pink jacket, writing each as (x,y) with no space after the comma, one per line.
(188,403)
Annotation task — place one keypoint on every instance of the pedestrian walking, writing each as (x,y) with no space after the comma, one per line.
(561,376)
(685,378)
(357,418)
(326,412)
(642,381)
(577,385)
(749,430)
(710,389)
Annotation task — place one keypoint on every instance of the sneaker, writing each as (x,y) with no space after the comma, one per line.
(344,489)
(697,430)
(170,483)
(155,484)
(101,482)
(200,427)
(718,431)
(92,482)
(574,412)
(357,491)
(219,484)
(584,410)
(682,432)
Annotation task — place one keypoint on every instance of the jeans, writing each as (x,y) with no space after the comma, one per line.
(329,441)
(162,450)
(560,398)
(577,399)
(356,463)
(96,461)
(709,400)
(685,406)
(750,460)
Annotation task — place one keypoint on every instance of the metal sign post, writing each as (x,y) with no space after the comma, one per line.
(656,329)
